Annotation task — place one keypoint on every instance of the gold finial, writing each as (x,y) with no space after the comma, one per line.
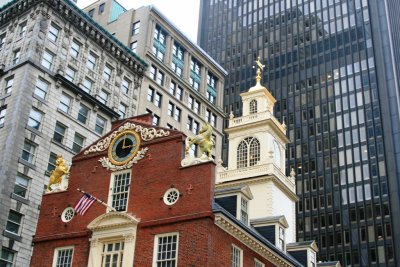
(259,70)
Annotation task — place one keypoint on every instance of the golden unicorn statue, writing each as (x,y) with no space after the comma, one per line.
(204,140)
(57,174)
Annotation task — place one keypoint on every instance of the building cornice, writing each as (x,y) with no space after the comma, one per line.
(241,124)
(71,13)
(250,241)
(257,180)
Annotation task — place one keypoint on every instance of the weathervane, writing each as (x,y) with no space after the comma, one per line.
(259,69)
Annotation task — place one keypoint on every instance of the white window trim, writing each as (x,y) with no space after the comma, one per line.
(110,195)
(156,246)
(119,226)
(240,255)
(257,261)
(240,196)
(55,256)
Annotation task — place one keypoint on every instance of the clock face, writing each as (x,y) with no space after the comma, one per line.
(123,147)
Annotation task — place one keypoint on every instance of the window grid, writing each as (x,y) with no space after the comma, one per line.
(134,46)
(47,59)
(258,263)
(28,152)
(9,84)
(122,110)
(21,186)
(254,153)
(70,74)
(87,85)
(53,33)
(78,143)
(157,99)
(22,29)
(236,257)
(35,118)
(16,56)
(107,72)
(211,88)
(281,238)
(112,254)
(65,102)
(100,124)
(64,257)
(156,120)
(59,133)
(91,61)
(253,106)
(150,94)
(125,86)
(244,217)
(136,28)
(3,111)
(83,113)
(75,49)
(120,191)
(159,43)
(14,222)
(51,165)
(7,258)
(167,251)
(41,88)
(242,155)
(103,96)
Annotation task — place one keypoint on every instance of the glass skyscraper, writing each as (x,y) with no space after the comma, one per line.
(331,64)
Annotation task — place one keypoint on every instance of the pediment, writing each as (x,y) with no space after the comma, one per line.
(113,220)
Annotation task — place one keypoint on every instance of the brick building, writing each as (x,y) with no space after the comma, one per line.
(170,215)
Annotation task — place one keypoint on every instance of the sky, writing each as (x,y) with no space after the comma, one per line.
(183,14)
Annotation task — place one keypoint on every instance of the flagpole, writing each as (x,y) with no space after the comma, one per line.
(98,200)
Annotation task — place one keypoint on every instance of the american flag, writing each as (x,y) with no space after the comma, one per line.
(84,203)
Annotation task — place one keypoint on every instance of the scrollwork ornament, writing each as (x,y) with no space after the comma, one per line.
(146,134)
(106,163)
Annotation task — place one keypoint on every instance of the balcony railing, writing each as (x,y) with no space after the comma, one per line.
(252,118)
(257,170)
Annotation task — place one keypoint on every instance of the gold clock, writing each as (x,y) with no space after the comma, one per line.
(124,147)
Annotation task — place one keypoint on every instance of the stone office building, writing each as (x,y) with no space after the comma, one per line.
(183,86)
(63,79)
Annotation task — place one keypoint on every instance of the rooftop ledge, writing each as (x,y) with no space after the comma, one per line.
(269,169)
(256,117)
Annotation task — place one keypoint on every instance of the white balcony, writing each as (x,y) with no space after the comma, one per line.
(268,169)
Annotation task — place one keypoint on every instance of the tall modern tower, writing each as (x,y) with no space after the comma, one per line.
(331,67)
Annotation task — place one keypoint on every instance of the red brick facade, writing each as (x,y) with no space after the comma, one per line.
(201,241)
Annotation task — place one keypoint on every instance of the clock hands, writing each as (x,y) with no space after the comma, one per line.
(124,146)
(123,143)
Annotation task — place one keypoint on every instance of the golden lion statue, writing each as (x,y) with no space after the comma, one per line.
(57,174)
(204,140)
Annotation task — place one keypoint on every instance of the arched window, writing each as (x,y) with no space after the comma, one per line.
(253,106)
(248,152)
(254,154)
(242,155)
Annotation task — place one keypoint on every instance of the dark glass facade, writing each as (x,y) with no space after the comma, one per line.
(331,66)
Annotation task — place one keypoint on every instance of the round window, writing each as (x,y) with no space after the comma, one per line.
(68,214)
(171,196)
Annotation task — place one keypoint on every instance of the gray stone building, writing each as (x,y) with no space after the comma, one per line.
(183,85)
(63,80)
